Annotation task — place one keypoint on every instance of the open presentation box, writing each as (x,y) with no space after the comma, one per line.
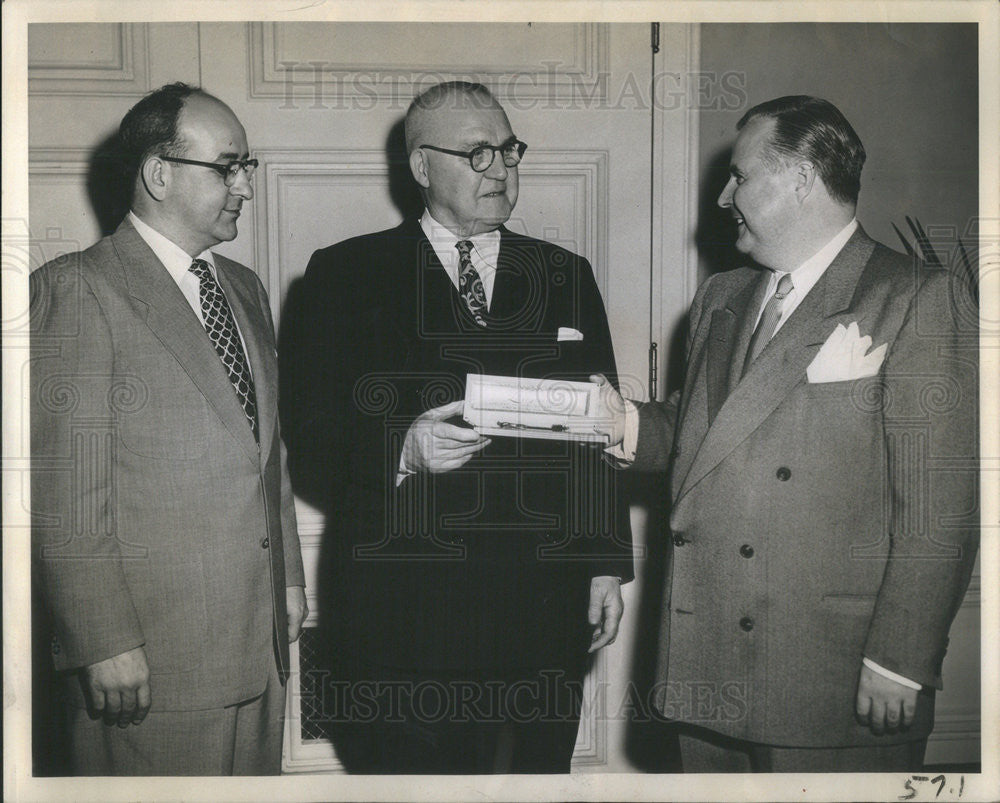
(553,409)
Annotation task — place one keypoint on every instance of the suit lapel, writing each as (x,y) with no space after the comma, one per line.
(511,265)
(783,362)
(729,338)
(170,317)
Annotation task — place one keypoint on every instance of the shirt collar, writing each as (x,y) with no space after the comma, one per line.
(443,241)
(175,259)
(808,273)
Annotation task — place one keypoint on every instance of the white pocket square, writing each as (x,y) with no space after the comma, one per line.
(568,333)
(845,356)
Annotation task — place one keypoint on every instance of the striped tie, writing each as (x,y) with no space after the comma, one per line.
(768,320)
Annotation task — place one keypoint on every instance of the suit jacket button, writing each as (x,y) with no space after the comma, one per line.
(679,540)
(783,474)
(746,551)
(746,623)
(265,543)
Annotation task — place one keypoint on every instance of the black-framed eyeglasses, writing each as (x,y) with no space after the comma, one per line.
(229,171)
(482,156)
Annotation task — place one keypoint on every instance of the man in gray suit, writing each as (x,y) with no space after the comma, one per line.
(823,473)
(164,529)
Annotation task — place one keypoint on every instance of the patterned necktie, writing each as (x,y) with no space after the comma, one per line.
(768,320)
(221,328)
(470,285)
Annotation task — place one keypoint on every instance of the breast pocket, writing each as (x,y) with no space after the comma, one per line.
(170,420)
(865,393)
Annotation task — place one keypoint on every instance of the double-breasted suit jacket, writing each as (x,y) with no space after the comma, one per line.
(158,520)
(484,567)
(815,524)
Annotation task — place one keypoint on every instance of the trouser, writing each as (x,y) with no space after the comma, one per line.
(441,722)
(703,750)
(240,739)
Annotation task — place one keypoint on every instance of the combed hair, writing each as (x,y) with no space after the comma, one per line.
(814,129)
(150,127)
(459,94)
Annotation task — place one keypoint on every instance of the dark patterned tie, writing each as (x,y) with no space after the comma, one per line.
(221,328)
(470,285)
(768,320)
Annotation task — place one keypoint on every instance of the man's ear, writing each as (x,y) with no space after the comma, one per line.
(418,166)
(805,179)
(155,177)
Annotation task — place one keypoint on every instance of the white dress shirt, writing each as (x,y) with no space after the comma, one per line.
(177,261)
(805,276)
(484,254)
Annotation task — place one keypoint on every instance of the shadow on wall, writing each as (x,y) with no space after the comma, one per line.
(715,234)
(108,186)
(403,189)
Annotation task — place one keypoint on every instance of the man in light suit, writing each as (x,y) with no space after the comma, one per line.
(463,579)
(823,473)
(164,529)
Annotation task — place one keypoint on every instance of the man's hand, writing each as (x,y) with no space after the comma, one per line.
(883,704)
(610,410)
(435,446)
(298,610)
(605,611)
(119,687)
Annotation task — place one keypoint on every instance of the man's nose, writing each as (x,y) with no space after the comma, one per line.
(726,196)
(242,187)
(497,170)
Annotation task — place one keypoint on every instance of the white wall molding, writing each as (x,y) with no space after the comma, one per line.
(675,196)
(117,65)
(579,68)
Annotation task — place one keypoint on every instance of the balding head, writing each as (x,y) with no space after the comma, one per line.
(435,106)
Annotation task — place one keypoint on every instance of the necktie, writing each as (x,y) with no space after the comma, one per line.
(470,284)
(768,320)
(221,328)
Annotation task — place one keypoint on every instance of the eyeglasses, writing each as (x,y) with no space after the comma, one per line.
(482,156)
(229,171)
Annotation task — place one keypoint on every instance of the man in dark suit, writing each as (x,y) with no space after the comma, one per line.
(823,473)
(164,525)
(464,578)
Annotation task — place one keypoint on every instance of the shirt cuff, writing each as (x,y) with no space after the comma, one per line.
(624,452)
(402,472)
(874,667)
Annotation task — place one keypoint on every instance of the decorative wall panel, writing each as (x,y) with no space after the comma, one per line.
(330,67)
(88,58)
